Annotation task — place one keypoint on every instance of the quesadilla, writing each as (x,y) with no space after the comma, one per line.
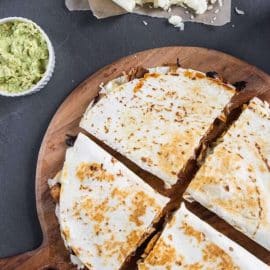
(187,242)
(234,181)
(159,120)
(105,210)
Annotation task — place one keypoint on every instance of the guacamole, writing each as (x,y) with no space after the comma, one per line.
(23,56)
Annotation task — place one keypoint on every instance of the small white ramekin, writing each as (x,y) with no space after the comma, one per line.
(50,66)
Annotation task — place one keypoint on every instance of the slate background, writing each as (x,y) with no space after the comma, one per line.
(84,44)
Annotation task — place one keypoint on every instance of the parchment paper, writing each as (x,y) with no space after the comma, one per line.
(106,8)
(74,5)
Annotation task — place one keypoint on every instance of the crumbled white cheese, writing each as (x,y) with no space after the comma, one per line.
(111,85)
(52,182)
(198,6)
(145,23)
(239,11)
(177,21)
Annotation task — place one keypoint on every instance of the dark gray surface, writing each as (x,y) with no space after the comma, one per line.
(83,45)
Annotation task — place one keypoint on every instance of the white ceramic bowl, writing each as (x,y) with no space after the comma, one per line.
(50,66)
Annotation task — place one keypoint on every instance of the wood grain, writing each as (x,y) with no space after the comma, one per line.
(52,254)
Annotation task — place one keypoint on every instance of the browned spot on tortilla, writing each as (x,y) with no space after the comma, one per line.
(151,75)
(147,160)
(163,254)
(225,86)
(190,231)
(214,254)
(189,74)
(120,194)
(106,130)
(143,267)
(140,203)
(138,86)
(194,75)
(199,75)
(95,211)
(133,239)
(264,159)
(113,247)
(194,266)
(172,222)
(94,171)
(173,155)
(121,249)
(66,234)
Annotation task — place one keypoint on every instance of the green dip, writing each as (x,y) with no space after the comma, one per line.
(23,56)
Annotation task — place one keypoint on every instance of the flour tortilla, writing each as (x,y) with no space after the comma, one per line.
(189,243)
(158,121)
(234,181)
(105,210)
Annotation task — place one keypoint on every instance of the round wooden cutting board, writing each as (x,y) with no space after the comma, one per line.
(52,253)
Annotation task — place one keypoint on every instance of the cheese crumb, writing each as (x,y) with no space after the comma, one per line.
(177,21)
(52,182)
(239,11)
(145,23)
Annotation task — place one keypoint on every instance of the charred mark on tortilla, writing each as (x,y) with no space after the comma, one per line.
(178,62)
(70,140)
(137,73)
(239,86)
(96,99)
(212,74)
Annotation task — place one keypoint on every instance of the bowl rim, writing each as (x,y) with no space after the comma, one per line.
(50,65)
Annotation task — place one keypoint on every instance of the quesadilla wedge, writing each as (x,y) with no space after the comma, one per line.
(160,120)
(187,242)
(234,181)
(105,210)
